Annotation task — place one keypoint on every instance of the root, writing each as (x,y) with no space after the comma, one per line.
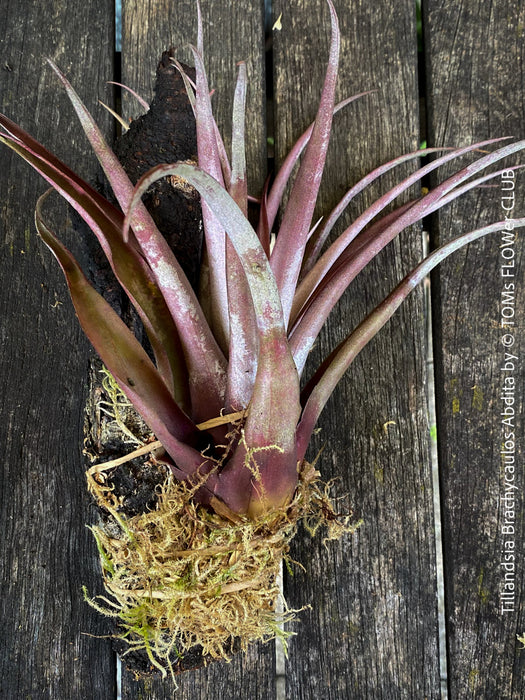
(156,444)
(118,407)
(182,576)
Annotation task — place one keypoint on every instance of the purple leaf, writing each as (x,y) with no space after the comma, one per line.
(364,249)
(210,162)
(239,187)
(320,387)
(276,388)
(287,255)
(317,241)
(206,363)
(282,177)
(128,265)
(322,266)
(263,227)
(125,358)
(139,99)
(242,356)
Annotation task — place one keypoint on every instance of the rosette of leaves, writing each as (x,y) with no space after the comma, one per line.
(239,347)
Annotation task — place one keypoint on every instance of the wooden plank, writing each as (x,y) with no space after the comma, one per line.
(47,645)
(372,629)
(248,676)
(231,33)
(475,66)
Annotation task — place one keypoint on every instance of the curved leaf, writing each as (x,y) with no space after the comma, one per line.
(205,361)
(330,256)
(356,257)
(287,255)
(320,387)
(126,359)
(125,259)
(276,192)
(242,357)
(276,388)
(316,242)
(209,161)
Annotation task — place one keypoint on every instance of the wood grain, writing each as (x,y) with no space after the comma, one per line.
(47,554)
(249,676)
(372,628)
(475,69)
(231,33)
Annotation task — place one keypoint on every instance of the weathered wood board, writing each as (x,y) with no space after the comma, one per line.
(372,629)
(474,52)
(49,647)
(376,609)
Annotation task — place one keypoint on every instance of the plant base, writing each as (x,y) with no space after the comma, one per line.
(184,585)
(187,585)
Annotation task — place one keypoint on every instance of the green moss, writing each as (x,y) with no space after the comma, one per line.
(179,576)
(483,593)
(477,398)
(27,239)
(353,629)
(379,473)
(456,396)
(473,679)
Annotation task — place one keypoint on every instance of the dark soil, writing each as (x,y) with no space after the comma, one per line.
(138,663)
(135,484)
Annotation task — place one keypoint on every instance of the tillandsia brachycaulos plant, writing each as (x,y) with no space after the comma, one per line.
(221,385)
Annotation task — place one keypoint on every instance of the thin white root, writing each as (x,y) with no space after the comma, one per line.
(152,446)
(144,450)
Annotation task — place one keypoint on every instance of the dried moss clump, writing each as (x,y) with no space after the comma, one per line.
(182,576)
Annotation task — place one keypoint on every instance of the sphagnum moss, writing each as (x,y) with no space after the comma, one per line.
(181,576)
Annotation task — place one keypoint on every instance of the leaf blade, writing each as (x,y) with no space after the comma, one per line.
(287,255)
(276,387)
(330,256)
(205,360)
(242,357)
(125,358)
(105,221)
(320,387)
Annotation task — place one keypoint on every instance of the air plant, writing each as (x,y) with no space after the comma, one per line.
(229,365)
